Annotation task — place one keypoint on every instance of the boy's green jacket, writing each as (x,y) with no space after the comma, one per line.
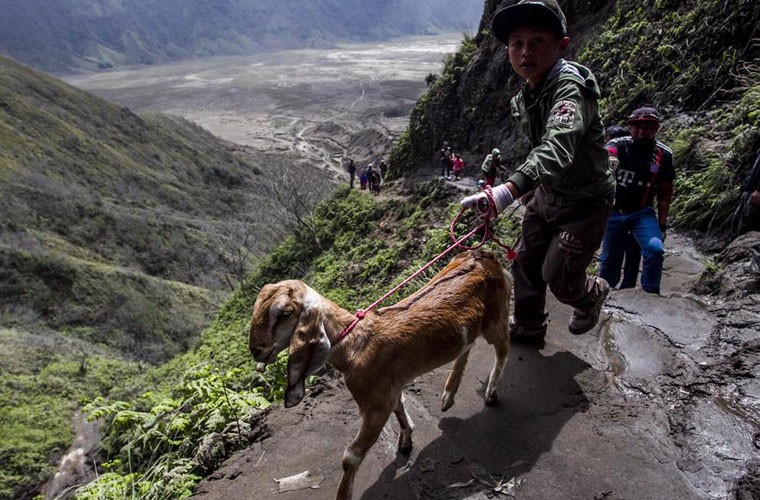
(562,121)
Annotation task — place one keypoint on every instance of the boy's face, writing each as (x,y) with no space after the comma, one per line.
(533,52)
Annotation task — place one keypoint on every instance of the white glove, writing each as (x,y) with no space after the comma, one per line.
(502,198)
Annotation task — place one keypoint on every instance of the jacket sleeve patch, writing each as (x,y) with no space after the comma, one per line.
(562,115)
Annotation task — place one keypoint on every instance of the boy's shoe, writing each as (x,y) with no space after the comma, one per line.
(584,320)
(518,334)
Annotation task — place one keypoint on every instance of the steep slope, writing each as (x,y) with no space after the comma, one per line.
(122,194)
(62,35)
(119,237)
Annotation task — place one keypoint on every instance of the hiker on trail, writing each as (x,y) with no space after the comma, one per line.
(644,170)
(567,167)
(747,215)
(364,178)
(458,166)
(490,167)
(444,159)
(632,252)
(375,180)
(351,172)
(383,168)
(615,131)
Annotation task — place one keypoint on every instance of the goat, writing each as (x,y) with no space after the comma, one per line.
(388,348)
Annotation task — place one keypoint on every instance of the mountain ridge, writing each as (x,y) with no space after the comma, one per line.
(73,35)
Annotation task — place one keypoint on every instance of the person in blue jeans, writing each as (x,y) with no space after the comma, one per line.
(644,172)
(632,254)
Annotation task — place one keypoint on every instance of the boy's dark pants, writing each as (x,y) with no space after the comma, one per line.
(557,244)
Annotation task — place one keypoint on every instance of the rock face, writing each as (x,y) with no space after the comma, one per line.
(75,467)
(660,401)
(735,280)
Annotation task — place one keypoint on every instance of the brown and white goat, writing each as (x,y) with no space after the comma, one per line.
(439,323)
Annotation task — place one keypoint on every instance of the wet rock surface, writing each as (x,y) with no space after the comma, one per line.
(661,401)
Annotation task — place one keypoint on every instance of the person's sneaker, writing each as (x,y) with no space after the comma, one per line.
(518,334)
(583,320)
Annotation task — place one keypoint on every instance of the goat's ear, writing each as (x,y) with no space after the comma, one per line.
(309,347)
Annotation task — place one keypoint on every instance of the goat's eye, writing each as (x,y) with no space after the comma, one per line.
(285,313)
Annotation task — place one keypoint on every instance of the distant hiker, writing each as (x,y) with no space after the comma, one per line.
(491,166)
(363,180)
(351,172)
(458,166)
(615,131)
(632,253)
(375,180)
(444,158)
(747,215)
(383,168)
(644,170)
(568,167)
(369,171)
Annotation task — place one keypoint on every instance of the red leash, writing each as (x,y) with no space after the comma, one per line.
(487,235)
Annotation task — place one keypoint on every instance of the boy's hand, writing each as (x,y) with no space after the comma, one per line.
(481,202)
(478,202)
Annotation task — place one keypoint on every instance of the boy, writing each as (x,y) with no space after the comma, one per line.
(568,167)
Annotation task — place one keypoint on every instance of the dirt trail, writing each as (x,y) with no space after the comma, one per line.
(659,402)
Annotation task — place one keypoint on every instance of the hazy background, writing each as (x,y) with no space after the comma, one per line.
(314,106)
(73,35)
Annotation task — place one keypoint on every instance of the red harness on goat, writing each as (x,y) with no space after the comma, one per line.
(487,236)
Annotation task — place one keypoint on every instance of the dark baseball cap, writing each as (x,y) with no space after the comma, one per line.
(539,13)
(644,114)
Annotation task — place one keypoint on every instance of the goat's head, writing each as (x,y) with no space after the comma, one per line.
(289,313)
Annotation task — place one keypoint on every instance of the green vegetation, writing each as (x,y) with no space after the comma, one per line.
(40,390)
(119,238)
(149,318)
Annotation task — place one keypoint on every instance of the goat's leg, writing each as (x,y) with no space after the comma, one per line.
(455,378)
(407,426)
(373,421)
(501,346)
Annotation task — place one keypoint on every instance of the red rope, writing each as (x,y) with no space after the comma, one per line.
(487,235)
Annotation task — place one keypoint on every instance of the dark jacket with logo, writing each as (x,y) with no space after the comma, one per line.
(642,172)
(562,121)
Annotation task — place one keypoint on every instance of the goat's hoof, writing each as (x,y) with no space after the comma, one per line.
(404,444)
(446,404)
(492,400)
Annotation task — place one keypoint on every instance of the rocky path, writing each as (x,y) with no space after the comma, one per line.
(661,401)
